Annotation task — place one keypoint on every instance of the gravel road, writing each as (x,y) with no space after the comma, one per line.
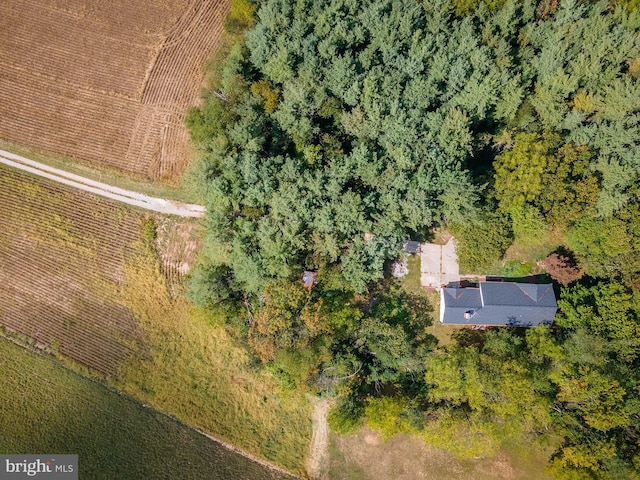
(160,205)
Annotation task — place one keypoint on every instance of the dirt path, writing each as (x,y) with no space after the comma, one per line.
(160,205)
(318,454)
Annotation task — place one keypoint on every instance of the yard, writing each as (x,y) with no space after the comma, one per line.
(405,458)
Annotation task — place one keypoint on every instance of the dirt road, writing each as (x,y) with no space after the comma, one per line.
(318,455)
(160,205)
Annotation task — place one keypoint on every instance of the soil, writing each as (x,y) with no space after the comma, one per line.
(318,454)
(106,83)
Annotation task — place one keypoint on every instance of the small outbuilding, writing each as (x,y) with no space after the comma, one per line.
(498,303)
(411,247)
(309,279)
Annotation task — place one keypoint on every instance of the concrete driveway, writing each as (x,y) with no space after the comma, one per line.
(438,264)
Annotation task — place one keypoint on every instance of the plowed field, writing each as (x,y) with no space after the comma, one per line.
(63,254)
(60,250)
(107,83)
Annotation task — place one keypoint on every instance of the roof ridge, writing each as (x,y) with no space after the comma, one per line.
(523,288)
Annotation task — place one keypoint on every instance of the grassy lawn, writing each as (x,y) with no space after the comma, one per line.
(411,283)
(113,177)
(534,249)
(46,408)
(522,257)
(404,457)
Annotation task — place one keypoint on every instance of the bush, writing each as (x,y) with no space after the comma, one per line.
(241,16)
(528,224)
(600,244)
(516,269)
(481,246)
(562,268)
(386,416)
(208,285)
(346,416)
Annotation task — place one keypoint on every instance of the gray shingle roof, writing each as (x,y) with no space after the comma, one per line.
(496,303)
(411,246)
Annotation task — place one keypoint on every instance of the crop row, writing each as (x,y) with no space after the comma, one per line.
(33,41)
(62,256)
(141,22)
(75,82)
(66,120)
(183,56)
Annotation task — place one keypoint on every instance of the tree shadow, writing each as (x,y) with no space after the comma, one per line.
(538,278)
(468,337)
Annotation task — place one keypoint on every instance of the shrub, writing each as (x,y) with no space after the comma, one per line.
(386,416)
(480,246)
(528,224)
(516,269)
(562,268)
(346,416)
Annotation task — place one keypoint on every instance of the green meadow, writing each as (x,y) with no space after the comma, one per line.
(46,408)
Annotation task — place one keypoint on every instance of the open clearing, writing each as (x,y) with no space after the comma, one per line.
(44,407)
(405,458)
(107,83)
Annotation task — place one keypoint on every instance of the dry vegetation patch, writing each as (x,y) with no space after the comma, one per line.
(406,458)
(177,243)
(107,83)
(193,370)
(99,284)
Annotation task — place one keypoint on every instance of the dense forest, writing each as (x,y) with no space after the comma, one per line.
(337,129)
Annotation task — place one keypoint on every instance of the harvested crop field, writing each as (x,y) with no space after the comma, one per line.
(107,83)
(61,251)
(63,255)
(100,284)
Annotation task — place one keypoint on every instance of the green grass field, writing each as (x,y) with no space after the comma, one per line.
(46,408)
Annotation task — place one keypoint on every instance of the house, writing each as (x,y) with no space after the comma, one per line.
(497,303)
